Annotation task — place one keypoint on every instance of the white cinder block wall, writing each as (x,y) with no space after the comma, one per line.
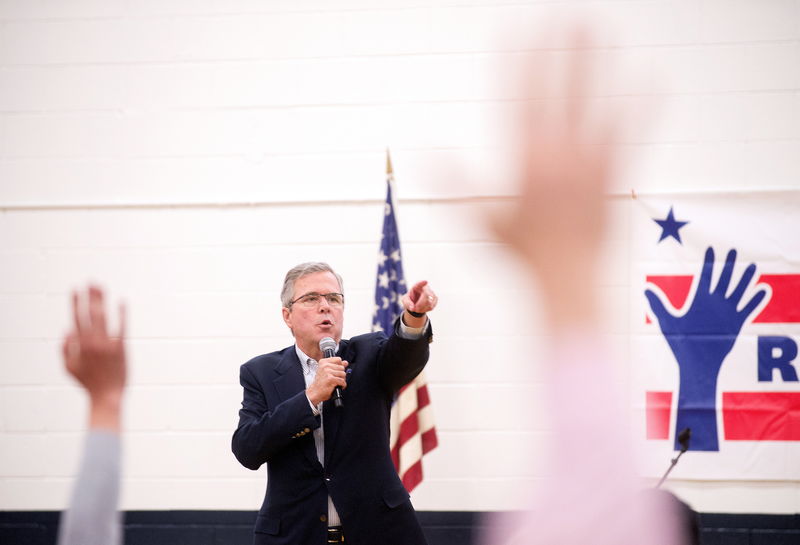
(186,153)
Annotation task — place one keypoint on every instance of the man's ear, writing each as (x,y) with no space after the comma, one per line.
(287,316)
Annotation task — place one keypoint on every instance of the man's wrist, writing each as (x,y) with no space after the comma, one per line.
(414,319)
(314,406)
(411,327)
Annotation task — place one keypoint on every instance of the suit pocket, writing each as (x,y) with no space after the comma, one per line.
(395,497)
(266,525)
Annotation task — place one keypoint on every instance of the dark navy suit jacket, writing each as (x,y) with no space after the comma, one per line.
(275,427)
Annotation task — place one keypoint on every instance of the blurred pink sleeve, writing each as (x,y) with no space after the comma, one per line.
(592,493)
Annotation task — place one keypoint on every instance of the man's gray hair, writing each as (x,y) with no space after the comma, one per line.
(301,270)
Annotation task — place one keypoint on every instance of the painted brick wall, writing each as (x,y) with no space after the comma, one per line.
(185,154)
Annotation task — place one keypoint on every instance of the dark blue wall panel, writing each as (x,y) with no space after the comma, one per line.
(441,527)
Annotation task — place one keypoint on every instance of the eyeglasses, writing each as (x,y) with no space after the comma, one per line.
(311,300)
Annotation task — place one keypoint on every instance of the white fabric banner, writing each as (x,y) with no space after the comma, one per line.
(715,328)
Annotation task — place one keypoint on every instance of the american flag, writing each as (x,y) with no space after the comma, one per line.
(413,433)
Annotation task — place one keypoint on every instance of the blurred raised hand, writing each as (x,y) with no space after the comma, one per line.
(95,358)
(565,160)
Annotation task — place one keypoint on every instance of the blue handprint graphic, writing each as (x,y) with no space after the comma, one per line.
(700,339)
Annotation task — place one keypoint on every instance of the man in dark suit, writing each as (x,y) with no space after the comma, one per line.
(330,472)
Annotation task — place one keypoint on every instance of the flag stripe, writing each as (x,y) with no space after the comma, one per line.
(423,399)
(413,476)
(761,416)
(417,428)
(429,440)
(406,401)
(409,427)
(419,422)
(415,445)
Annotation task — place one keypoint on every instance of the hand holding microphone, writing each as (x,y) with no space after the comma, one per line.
(330,378)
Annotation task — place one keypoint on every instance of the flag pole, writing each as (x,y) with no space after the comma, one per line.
(391,184)
(413,431)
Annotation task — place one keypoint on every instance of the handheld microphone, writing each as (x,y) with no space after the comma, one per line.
(328,348)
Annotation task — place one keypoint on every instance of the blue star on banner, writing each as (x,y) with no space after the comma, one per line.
(670,227)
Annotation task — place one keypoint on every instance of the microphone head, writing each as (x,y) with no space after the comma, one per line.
(326,343)
(683,438)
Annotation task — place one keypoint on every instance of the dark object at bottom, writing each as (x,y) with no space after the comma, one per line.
(440,527)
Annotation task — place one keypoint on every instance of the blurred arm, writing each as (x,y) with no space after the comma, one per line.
(92,517)
(97,361)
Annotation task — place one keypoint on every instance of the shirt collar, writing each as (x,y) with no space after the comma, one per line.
(304,358)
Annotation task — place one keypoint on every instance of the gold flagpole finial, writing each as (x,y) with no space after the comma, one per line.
(388,163)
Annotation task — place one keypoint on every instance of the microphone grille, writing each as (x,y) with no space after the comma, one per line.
(326,343)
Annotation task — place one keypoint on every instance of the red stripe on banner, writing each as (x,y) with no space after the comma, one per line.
(783,306)
(657,414)
(761,416)
(675,287)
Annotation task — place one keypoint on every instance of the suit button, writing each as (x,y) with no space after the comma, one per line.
(327,478)
(323,518)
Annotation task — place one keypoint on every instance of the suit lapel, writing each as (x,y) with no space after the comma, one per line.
(289,375)
(288,382)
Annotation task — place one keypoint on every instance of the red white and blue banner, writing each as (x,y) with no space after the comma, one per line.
(715,323)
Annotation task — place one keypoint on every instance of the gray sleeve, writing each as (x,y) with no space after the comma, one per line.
(92,517)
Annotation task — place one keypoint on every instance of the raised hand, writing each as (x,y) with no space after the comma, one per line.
(96,359)
(566,159)
(700,339)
